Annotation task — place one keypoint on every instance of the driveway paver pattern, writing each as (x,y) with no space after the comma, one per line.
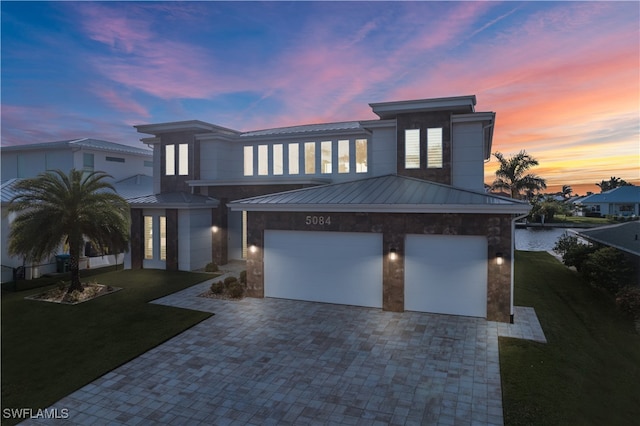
(273,362)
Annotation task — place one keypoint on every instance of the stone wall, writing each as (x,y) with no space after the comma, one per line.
(394,227)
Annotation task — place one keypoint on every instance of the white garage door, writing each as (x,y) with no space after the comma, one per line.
(332,267)
(446,274)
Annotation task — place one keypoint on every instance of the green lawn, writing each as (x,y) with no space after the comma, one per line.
(582,220)
(589,371)
(49,350)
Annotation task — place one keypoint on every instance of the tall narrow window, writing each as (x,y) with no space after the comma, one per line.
(412,148)
(434,148)
(183,159)
(87,162)
(263,160)
(170,160)
(325,156)
(163,238)
(294,159)
(278,167)
(309,158)
(148,237)
(361,156)
(248,161)
(343,156)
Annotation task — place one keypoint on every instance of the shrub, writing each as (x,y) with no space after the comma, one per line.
(243,277)
(607,268)
(229,280)
(628,300)
(573,252)
(211,267)
(217,287)
(235,290)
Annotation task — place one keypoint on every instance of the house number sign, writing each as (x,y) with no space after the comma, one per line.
(317,220)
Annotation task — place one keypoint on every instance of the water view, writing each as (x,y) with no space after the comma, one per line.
(538,239)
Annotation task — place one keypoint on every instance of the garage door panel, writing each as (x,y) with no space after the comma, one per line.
(332,267)
(446,274)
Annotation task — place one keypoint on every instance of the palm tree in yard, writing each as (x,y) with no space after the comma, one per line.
(55,208)
(512,174)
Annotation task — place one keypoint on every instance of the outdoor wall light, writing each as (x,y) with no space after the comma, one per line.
(392,254)
(214,229)
(499,258)
(253,248)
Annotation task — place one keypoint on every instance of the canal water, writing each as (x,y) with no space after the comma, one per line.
(537,239)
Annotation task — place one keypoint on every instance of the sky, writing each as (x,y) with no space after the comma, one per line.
(562,77)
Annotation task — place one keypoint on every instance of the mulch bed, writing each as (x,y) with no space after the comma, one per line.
(61,294)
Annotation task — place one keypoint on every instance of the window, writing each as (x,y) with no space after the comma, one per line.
(183,159)
(169,160)
(115,159)
(87,162)
(343,156)
(248,161)
(325,156)
(163,238)
(148,237)
(294,159)
(263,160)
(278,167)
(361,156)
(412,148)
(309,158)
(434,148)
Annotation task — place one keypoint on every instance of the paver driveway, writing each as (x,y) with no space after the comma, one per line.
(271,361)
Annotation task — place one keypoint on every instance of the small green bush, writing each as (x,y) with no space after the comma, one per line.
(607,268)
(217,287)
(628,301)
(573,252)
(243,277)
(235,290)
(211,267)
(229,280)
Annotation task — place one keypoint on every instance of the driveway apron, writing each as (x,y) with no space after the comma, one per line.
(274,361)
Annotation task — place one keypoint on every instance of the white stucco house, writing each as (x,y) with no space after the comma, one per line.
(622,201)
(389,213)
(131,169)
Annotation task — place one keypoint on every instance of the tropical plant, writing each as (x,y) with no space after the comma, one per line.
(55,208)
(612,183)
(544,209)
(567,191)
(512,174)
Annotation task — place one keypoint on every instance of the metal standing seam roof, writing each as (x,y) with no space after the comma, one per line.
(623,236)
(175,200)
(622,194)
(307,128)
(84,143)
(390,193)
(7,190)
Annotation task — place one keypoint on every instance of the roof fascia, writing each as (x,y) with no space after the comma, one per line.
(457,103)
(382,208)
(253,182)
(181,126)
(300,136)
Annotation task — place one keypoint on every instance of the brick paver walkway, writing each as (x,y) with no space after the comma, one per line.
(272,361)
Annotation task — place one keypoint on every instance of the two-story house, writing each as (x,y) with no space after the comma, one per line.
(130,169)
(388,213)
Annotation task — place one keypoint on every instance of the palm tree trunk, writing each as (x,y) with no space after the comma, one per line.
(74,266)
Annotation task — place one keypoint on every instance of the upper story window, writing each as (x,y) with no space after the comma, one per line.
(248,161)
(183,159)
(263,160)
(412,148)
(309,158)
(325,157)
(361,156)
(294,158)
(343,156)
(170,160)
(278,167)
(434,148)
(87,162)
(115,159)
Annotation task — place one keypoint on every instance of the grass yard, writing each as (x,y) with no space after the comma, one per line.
(589,371)
(49,350)
(582,220)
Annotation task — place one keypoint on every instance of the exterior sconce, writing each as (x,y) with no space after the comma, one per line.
(253,248)
(214,229)
(393,255)
(499,259)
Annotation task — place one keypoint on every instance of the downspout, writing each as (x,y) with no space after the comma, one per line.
(513,249)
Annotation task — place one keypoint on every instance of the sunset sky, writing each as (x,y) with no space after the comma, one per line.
(563,77)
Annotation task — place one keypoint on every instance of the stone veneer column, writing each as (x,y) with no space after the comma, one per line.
(172,239)
(137,246)
(219,239)
(499,276)
(255,259)
(393,272)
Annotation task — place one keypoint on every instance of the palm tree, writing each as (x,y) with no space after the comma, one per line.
(566,191)
(56,208)
(612,183)
(512,176)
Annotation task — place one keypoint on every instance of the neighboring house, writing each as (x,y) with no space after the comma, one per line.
(621,201)
(129,166)
(388,213)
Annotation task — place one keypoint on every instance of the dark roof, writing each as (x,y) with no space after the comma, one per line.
(623,236)
(390,193)
(83,143)
(173,200)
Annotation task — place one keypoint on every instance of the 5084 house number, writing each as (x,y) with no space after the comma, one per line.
(318,220)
